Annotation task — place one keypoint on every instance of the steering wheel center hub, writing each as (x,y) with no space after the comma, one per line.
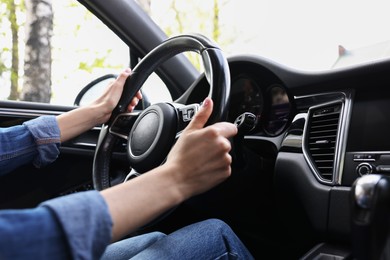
(144,133)
(153,130)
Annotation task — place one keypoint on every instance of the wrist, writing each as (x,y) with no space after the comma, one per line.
(100,113)
(170,182)
(176,181)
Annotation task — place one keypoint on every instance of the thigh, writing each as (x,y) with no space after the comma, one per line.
(127,248)
(209,239)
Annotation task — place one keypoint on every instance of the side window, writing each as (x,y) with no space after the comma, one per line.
(83,49)
(75,48)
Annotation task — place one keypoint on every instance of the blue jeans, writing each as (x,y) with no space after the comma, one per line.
(209,239)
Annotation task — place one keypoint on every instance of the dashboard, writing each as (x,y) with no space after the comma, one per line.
(329,129)
(294,112)
(333,127)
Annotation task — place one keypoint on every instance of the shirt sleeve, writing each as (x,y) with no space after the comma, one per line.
(76,226)
(37,141)
(46,134)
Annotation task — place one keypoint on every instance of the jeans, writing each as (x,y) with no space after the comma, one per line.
(209,239)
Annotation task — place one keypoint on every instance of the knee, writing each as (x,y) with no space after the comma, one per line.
(217,225)
(155,236)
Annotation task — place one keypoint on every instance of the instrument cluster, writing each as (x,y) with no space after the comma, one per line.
(269,102)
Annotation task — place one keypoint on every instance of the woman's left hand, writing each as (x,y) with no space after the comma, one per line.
(112,94)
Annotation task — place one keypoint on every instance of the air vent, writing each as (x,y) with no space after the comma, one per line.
(321,138)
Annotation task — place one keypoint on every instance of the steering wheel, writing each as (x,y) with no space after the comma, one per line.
(156,128)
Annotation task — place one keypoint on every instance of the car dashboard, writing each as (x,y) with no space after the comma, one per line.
(319,132)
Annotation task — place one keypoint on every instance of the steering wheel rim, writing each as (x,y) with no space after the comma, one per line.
(216,71)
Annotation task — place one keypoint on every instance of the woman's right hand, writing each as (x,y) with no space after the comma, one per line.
(198,161)
(200,158)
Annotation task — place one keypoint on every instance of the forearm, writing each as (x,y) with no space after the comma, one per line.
(137,202)
(79,120)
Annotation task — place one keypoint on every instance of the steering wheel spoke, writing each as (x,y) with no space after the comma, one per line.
(122,124)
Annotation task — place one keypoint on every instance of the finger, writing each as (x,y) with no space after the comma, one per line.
(133,104)
(201,117)
(225,129)
(138,95)
(121,79)
(134,101)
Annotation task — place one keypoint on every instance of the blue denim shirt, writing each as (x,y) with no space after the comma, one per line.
(35,141)
(77,226)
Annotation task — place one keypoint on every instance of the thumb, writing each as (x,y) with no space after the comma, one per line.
(201,117)
(121,79)
(126,72)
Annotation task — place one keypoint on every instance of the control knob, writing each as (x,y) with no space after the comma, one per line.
(364,169)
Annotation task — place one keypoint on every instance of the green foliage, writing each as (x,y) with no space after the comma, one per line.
(3,68)
(4,49)
(10,24)
(99,62)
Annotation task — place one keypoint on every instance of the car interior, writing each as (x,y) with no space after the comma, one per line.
(310,160)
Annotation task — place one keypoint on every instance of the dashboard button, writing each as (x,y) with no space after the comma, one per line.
(364,169)
(359,157)
(383,168)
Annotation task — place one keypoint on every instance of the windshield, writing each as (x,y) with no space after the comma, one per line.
(47,57)
(302,34)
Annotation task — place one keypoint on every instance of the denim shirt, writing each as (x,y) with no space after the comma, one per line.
(76,226)
(35,141)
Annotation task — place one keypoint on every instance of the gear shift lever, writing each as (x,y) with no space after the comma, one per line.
(370,196)
(245,123)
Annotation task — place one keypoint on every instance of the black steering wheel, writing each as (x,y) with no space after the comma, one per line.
(156,128)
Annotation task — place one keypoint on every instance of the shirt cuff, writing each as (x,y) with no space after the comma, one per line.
(86,222)
(46,135)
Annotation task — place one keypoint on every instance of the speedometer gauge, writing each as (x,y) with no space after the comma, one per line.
(278,110)
(246,96)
